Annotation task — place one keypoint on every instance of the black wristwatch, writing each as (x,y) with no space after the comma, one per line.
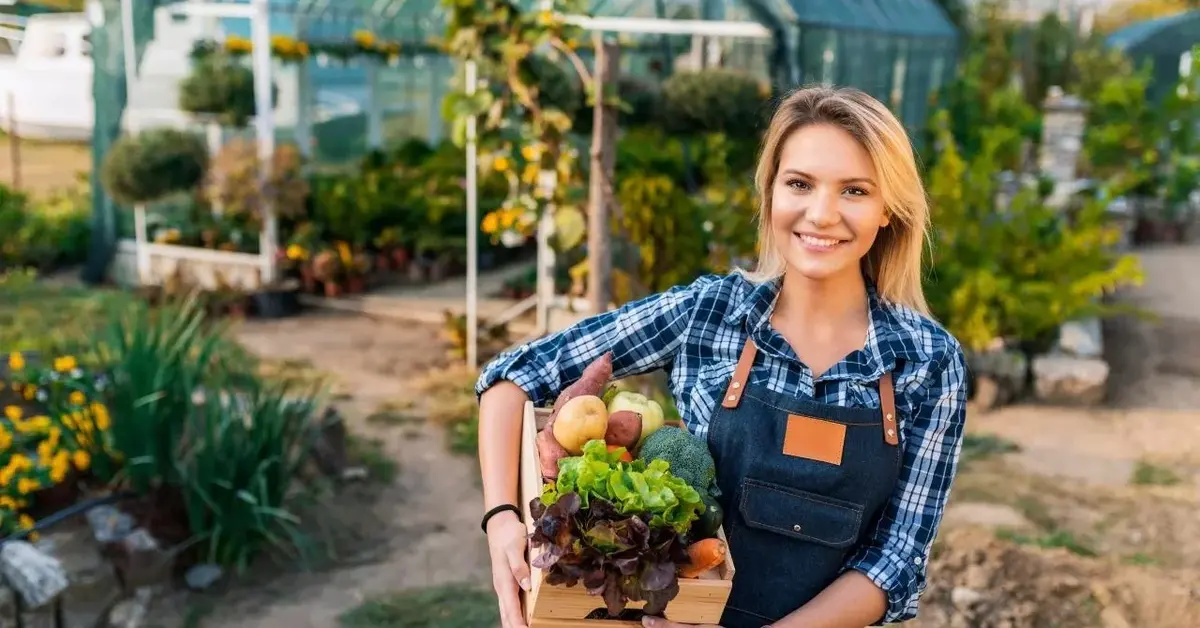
(495,511)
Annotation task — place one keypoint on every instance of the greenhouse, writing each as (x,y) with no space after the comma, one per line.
(348,77)
(1165,44)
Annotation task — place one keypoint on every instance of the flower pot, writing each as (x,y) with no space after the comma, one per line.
(400,257)
(278,303)
(355,284)
(333,289)
(308,279)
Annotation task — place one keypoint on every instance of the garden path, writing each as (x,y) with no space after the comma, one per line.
(417,531)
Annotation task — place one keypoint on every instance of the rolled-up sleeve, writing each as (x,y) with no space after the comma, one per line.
(643,335)
(896,554)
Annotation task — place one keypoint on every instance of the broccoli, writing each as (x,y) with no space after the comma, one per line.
(687,455)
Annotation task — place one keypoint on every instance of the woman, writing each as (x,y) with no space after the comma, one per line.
(831,401)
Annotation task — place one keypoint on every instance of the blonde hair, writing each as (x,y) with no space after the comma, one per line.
(894,261)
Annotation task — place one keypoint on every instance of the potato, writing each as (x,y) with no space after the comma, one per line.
(581,419)
(624,429)
(592,382)
(549,453)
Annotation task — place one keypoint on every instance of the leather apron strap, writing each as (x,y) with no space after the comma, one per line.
(737,386)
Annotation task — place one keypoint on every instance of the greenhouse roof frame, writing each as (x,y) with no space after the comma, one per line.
(1140,34)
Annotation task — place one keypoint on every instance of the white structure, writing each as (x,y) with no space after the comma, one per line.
(49,81)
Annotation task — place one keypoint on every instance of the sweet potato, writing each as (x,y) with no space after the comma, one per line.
(593,381)
(624,429)
(549,452)
(703,555)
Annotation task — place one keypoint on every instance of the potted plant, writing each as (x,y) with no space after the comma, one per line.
(328,269)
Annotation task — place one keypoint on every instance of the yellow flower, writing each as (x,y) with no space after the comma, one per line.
(297,252)
(55,435)
(100,415)
(364,39)
(77,398)
(45,450)
(13,413)
(5,439)
(27,485)
(16,361)
(29,393)
(501,164)
(491,223)
(65,363)
(20,462)
(58,473)
(68,422)
(531,152)
(26,521)
(6,476)
(81,459)
(8,502)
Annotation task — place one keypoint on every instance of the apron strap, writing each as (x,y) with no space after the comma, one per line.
(887,401)
(737,383)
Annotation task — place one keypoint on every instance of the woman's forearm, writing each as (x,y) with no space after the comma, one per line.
(501,409)
(852,601)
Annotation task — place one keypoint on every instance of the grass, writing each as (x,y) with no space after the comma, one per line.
(38,316)
(1055,539)
(452,404)
(451,606)
(1149,474)
(369,452)
(393,413)
(982,446)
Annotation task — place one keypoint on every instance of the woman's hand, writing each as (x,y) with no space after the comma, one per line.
(506,544)
(649,621)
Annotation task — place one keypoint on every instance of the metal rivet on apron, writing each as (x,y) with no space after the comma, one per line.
(732,397)
(889,417)
(737,385)
(891,432)
(796,528)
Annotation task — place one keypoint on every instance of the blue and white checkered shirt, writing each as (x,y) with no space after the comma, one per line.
(696,333)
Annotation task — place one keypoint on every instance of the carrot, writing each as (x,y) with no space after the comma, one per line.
(625,455)
(703,555)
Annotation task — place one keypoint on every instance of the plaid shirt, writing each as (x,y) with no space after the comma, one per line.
(696,333)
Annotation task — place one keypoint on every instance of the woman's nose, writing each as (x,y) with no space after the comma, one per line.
(823,210)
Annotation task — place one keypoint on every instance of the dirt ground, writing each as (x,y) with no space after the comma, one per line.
(1060,517)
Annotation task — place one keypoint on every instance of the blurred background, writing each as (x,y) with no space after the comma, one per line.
(238,349)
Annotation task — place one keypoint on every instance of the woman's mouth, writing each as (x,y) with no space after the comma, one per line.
(818,243)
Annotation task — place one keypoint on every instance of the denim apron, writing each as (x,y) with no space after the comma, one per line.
(802,483)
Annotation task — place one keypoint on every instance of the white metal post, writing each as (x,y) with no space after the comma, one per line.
(141,240)
(264,122)
(303,133)
(130,45)
(374,107)
(472,230)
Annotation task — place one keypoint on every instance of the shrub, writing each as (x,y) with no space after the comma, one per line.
(153,164)
(47,233)
(715,101)
(233,181)
(219,86)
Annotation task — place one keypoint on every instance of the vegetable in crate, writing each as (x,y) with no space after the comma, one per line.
(617,527)
(591,383)
(648,409)
(687,455)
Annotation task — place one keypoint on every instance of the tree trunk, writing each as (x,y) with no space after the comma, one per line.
(603,165)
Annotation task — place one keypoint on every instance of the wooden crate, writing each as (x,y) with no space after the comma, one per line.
(700,600)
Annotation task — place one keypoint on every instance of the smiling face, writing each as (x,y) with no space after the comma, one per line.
(826,204)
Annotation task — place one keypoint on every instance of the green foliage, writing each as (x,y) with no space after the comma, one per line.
(35,316)
(1122,133)
(714,101)
(153,164)
(45,233)
(1018,271)
(221,86)
(661,220)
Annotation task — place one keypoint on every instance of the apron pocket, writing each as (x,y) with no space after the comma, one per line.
(800,515)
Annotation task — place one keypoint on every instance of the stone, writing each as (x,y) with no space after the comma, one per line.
(35,575)
(964,598)
(200,577)
(139,560)
(1082,338)
(131,612)
(1070,380)
(1007,370)
(109,524)
(987,392)
(329,448)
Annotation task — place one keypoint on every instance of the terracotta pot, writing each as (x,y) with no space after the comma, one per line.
(400,257)
(308,279)
(332,289)
(355,284)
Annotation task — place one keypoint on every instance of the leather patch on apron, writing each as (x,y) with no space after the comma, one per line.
(814,439)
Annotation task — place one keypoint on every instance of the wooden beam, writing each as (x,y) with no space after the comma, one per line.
(603,165)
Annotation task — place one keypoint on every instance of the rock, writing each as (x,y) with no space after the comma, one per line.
(201,577)
(1083,338)
(35,575)
(130,613)
(329,447)
(964,598)
(139,560)
(1003,370)
(1060,378)
(109,524)
(355,473)
(987,392)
